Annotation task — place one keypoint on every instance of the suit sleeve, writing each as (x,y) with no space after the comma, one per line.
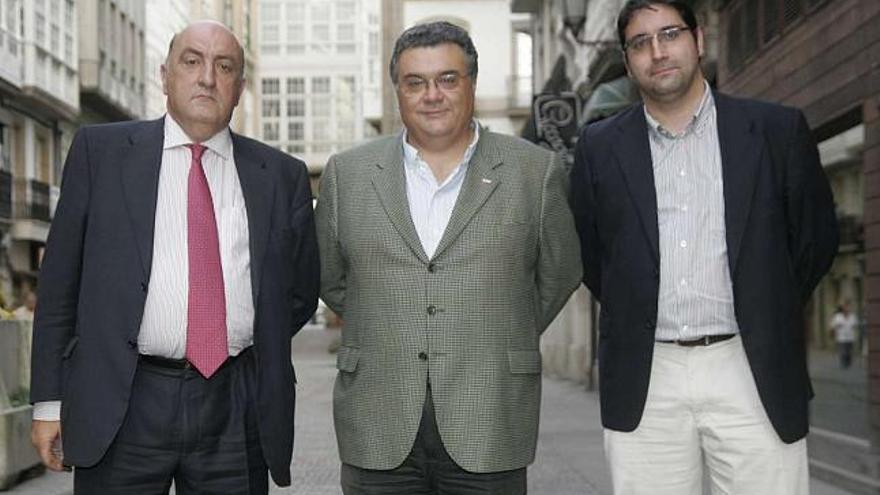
(58,290)
(332,262)
(305,253)
(583,205)
(558,269)
(813,234)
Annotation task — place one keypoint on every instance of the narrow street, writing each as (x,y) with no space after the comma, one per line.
(569,460)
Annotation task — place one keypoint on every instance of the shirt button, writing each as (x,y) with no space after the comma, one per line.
(432,267)
(684,328)
(684,208)
(423,356)
(683,244)
(684,282)
(682,172)
(432,309)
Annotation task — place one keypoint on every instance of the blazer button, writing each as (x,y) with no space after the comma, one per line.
(143,287)
(432,267)
(432,309)
(423,356)
(649,325)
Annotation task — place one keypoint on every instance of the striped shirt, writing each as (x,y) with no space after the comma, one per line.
(430,202)
(163,327)
(696,293)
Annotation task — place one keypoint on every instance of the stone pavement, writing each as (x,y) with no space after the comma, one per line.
(569,459)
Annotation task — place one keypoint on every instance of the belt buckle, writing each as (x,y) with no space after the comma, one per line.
(706,340)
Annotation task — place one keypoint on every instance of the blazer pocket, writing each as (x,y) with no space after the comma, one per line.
(347,358)
(524,361)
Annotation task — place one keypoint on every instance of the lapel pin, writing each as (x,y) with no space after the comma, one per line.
(487,181)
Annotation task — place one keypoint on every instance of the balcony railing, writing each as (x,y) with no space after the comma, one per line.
(32,200)
(5,195)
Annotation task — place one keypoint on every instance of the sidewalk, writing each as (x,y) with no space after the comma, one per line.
(569,460)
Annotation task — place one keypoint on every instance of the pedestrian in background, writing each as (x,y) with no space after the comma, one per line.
(447,250)
(181,260)
(705,221)
(843,325)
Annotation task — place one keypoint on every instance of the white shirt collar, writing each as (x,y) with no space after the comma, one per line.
(411,154)
(220,143)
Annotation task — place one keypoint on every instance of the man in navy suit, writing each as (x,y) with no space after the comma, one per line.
(706,222)
(181,260)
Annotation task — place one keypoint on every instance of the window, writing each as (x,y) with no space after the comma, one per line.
(320,85)
(296,85)
(295,131)
(296,108)
(345,32)
(321,107)
(270,131)
(271,108)
(751,24)
(345,11)
(270,86)
(55,39)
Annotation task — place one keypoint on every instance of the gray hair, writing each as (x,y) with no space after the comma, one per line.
(433,34)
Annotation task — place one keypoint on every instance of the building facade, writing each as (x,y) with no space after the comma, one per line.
(39,105)
(319,80)
(824,57)
(111,60)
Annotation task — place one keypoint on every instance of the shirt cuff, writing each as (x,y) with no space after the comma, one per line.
(47,411)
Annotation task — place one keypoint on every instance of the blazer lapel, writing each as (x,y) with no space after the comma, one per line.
(258,190)
(634,157)
(741,147)
(140,184)
(389,182)
(480,181)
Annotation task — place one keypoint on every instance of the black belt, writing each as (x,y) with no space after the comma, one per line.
(183,364)
(702,341)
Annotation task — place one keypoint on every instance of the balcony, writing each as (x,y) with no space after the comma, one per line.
(32,200)
(5,195)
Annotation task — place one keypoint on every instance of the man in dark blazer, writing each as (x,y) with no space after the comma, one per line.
(181,260)
(705,222)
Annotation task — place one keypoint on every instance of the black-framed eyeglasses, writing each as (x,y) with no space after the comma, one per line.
(642,42)
(416,85)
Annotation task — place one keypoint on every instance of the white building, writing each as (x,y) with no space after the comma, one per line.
(38,115)
(111,60)
(320,75)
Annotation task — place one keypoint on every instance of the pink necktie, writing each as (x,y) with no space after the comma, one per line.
(206,346)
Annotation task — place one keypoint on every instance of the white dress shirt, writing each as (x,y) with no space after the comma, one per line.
(431,202)
(163,327)
(696,292)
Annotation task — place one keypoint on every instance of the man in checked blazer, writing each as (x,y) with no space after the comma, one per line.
(447,250)
(706,222)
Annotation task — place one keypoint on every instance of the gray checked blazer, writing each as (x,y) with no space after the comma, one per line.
(468,320)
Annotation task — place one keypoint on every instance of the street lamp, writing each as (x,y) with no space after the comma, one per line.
(574,17)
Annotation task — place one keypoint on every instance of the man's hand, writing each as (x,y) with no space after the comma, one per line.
(46,437)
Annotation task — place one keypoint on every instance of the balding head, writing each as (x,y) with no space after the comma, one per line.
(203,77)
(210,25)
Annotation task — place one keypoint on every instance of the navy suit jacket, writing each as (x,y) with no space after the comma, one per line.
(781,234)
(96,274)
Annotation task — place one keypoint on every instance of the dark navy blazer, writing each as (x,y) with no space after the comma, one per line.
(96,273)
(781,234)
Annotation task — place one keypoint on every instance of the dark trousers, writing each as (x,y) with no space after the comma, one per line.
(428,470)
(201,434)
(845,349)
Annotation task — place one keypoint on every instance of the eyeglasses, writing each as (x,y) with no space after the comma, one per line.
(642,42)
(417,85)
